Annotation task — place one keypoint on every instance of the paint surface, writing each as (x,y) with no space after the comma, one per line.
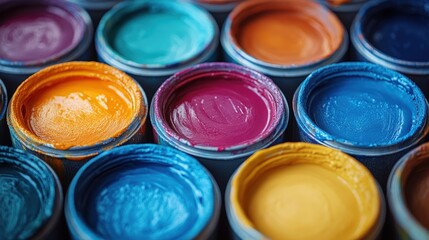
(147,190)
(26,196)
(362,110)
(37,33)
(305,191)
(293,33)
(221,110)
(400,32)
(417,193)
(159,35)
(53,106)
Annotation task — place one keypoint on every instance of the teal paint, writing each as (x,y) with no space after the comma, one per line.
(159,34)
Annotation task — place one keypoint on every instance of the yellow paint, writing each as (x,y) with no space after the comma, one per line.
(305,191)
(76,104)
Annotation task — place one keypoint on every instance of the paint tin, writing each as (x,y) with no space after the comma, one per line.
(53,117)
(96,8)
(408,195)
(218,8)
(394,34)
(219,113)
(36,34)
(142,191)
(368,111)
(151,40)
(4,133)
(31,197)
(285,40)
(346,10)
(304,191)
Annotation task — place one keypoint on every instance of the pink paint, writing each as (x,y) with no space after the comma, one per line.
(37,33)
(220,109)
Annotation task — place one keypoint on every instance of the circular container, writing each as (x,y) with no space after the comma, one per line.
(346,10)
(394,34)
(142,191)
(152,40)
(52,116)
(31,197)
(96,8)
(285,40)
(36,34)
(4,132)
(407,194)
(218,8)
(304,191)
(363,109)
(220,113)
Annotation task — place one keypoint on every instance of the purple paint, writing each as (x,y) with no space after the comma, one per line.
(219,109)
(34,33)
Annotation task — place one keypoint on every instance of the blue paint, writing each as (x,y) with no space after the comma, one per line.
(361,105)
(400,31)
(140,191)
(159,33)
(27,194)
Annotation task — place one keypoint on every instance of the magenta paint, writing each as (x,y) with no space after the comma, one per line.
(219,109)
(37,33)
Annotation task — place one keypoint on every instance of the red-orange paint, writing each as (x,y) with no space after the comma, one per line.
(288,32)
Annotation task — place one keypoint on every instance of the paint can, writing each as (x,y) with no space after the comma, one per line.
(304,191)
(219,113)
(31,197)
(36,34)
(152,40)
(53,117)
(143,191)
(285,40)
(4,132)
(370,112)
(96,8)
(408,196)
(394,34)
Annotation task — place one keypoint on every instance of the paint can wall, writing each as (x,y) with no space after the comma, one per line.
(32,195)
(177,188)
(60,138)
(347,118)
(220,155)
(247,214)
(394,34)
(95,8)
(218,9)
(16,68)
(406,193)
(152,59)
(247,41)
(346,10)
(4,132)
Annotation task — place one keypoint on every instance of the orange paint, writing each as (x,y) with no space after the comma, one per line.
(288,32)
(76,104)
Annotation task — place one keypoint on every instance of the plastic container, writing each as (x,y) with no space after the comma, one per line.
(53,117)
(394,34)
(219,113)
(31,196)
(304,191)
(407,194)
(37,34)
(152,40)
(365,110)
(310,36)
(143,191)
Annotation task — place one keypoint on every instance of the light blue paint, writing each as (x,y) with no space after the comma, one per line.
(27,194)
(362,105)
(140,191)
(160,32)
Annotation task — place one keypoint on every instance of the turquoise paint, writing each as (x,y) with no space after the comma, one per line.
(140,191)
(159,33)
(27,194)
